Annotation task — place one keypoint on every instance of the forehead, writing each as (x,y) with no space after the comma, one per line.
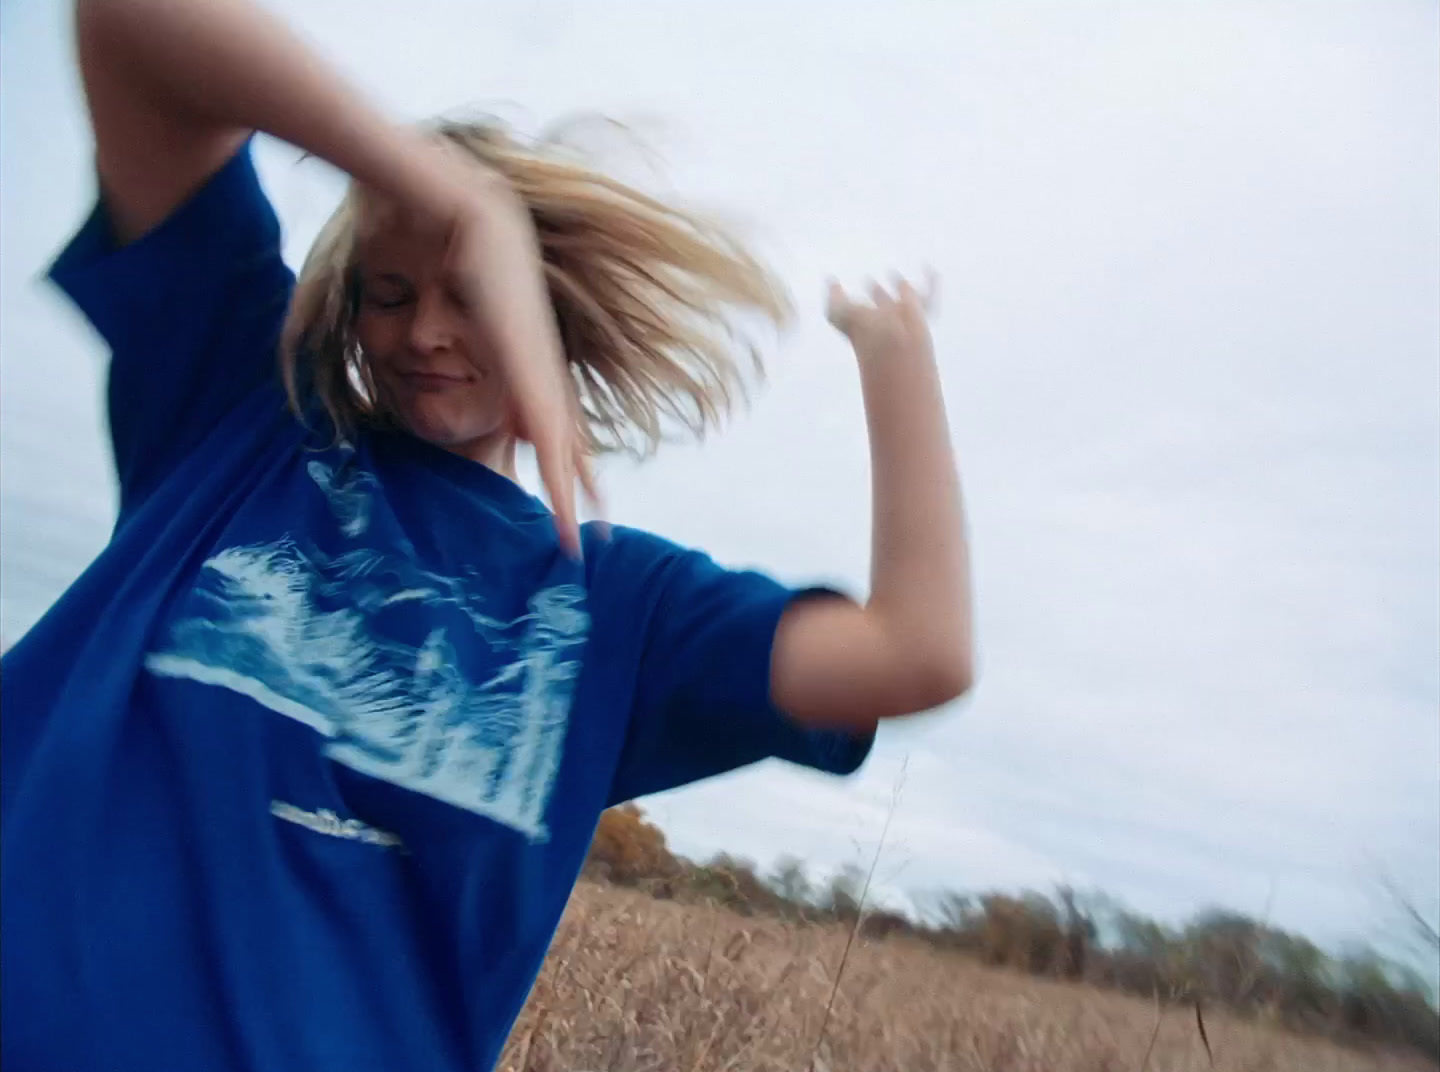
(396,247)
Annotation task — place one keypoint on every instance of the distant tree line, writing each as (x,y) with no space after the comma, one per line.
(1220,958)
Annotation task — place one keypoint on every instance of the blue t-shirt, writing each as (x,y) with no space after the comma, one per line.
(300,772)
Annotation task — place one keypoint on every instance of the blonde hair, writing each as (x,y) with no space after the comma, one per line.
(648,297)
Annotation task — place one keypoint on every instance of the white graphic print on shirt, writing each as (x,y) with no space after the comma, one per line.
(322,640)
(347,491)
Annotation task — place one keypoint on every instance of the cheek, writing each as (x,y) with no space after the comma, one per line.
(477,406)
(379,336)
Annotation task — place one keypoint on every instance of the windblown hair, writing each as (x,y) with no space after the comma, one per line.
(649,299)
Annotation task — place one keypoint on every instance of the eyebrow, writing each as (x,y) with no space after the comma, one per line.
(395,279)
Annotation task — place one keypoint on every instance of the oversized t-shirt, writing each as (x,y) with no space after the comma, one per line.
(300,772)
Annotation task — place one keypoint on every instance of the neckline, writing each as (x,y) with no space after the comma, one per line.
(461,470)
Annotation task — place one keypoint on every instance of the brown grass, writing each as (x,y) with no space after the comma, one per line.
(636,984)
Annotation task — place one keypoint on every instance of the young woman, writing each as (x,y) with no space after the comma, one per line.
(300,773)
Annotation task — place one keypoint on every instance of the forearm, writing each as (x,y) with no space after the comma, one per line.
(920,573)
(227,65)
(909,649)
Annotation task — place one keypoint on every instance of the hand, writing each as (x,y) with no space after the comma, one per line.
(893,320)
(493,255)
(909,648)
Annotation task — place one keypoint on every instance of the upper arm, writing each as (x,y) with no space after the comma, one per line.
(191,312)
(150,153)
(835,664)
(178,267)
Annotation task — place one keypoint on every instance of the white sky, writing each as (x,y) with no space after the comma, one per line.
(1191,347)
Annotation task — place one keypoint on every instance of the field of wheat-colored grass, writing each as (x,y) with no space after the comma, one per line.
(635,984)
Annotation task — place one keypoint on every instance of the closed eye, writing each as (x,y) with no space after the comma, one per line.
(388,291)
(387,301)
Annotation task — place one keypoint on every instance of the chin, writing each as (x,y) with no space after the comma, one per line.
(441,426)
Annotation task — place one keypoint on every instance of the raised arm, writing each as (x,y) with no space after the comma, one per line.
(910,647)
(175,86)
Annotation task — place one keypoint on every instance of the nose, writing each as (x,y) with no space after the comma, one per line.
(436,325)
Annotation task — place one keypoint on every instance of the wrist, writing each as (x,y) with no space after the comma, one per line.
(399,164)
(903,366)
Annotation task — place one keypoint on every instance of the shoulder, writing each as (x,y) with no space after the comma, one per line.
(640,573)
(207,285)
(603,539)
(624,557)
(632,572)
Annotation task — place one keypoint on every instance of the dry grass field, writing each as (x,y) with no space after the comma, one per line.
(635,984)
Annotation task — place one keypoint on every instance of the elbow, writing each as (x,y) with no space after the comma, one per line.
(941,677)
(100,16)
(101,29)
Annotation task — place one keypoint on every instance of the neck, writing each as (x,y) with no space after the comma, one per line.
(495,452)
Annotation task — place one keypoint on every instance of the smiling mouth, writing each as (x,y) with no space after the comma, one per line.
(431,381)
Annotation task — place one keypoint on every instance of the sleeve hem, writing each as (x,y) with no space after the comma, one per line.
(113,283)
(837,752)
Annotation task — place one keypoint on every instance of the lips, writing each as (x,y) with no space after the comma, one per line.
(431,381)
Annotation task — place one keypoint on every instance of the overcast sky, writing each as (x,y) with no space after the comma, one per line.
(1190,336)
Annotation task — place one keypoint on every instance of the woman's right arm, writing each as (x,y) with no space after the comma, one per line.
(175,87)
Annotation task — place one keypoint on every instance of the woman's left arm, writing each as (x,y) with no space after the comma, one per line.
(910,647)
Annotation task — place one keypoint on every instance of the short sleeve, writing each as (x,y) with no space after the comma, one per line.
(702,697)
(191,311)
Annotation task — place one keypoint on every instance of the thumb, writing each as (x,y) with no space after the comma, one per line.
(837,305)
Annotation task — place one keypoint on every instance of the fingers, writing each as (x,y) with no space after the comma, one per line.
(562,467)
(557,472)
(840,307)
(585,468)
(902,306)
(908,296)
(930,295)
(837,306)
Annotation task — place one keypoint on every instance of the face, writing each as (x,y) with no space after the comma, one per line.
(428,364)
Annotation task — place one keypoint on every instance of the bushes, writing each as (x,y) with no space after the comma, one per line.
(628,850)
(1220,957)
